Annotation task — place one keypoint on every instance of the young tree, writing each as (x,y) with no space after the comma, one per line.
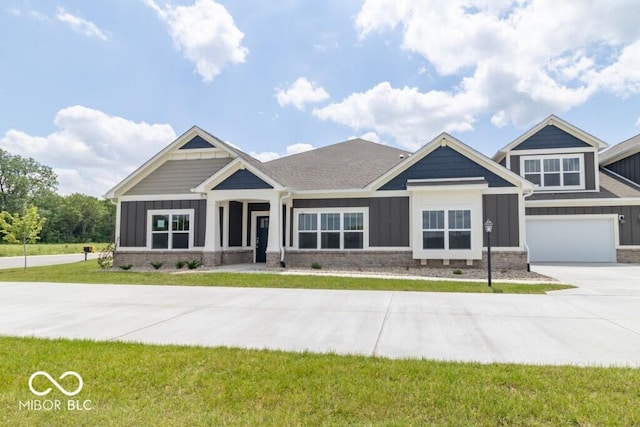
(23,228)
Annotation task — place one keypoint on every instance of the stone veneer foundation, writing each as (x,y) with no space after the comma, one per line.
(628,256)
(345,260)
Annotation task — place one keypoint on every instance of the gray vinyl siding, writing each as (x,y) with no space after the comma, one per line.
(388,217)
(515,164)
(133,220)
(178,176)
(628,168)
(589,171)
(242,180)
(550,137)
(443,163)
(629,231)
(503,211)
(235,224)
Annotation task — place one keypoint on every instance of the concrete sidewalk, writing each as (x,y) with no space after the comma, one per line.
(533,329)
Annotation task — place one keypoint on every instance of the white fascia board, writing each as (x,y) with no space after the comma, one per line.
(558,203)
(608,159)
(560,124)
(346,194)
(157,197)
(553,151)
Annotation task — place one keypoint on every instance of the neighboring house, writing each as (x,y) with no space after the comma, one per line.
(359,204)
(586,204)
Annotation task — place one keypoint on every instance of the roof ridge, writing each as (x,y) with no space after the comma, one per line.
(337,144)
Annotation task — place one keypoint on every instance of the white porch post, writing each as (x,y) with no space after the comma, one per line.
(275,231)
(212,236)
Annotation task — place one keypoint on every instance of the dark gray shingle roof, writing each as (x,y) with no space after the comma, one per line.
(347,165)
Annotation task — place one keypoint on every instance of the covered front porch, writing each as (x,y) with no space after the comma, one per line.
(245,226)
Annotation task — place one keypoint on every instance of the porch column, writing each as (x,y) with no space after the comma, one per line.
(275,233)
(212,234)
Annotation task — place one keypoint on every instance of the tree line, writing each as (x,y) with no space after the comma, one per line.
(77,218)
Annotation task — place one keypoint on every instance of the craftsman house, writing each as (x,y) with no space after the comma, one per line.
(359,204)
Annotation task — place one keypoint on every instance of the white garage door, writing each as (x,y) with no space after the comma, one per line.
(570,238)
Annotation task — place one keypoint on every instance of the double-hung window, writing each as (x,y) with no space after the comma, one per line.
(331,230)
(171,229)
(554,172)
(446,229)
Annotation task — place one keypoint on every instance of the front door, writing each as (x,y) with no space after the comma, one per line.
(262,237)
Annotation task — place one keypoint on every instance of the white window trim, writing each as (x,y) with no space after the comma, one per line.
(341,211)
(541,158)
(447,229)
(170,212)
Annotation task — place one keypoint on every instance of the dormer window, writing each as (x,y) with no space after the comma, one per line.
(559,172)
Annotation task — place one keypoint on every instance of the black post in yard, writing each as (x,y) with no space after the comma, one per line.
(488,226)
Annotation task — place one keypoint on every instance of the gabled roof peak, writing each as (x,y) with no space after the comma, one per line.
(551,120)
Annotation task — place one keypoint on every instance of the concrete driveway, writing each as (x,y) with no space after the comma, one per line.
(562,328)
(595,279)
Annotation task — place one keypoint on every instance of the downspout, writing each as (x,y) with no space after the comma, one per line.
(524,240)
(282,199)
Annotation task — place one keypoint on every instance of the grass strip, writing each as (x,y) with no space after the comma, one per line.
(134,384)
(89,272)
(7,250)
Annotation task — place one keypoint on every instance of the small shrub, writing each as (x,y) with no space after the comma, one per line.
(316,266)
(193,264)
(105,259)
(180,264)
(126,267)
(457,271)
(156,265)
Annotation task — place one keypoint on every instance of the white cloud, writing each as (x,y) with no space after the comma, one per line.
(407,114)
(370,136)
(205,33)
(298,148)
(91,151)
(301,92)
(514,61)
(80,25)
(267,156)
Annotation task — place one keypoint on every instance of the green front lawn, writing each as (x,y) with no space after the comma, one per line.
(89,272)
(48,248)
(142,385)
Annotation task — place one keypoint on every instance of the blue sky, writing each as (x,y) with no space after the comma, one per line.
(94,89)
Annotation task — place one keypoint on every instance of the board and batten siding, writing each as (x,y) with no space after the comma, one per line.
(629,231)
(504,211)
(178,176)
(628,168)
(388,217)
(133,220)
